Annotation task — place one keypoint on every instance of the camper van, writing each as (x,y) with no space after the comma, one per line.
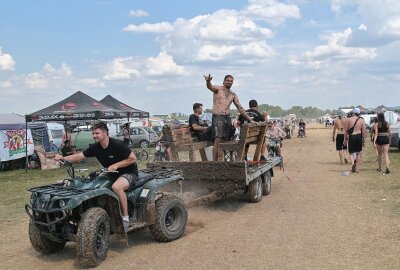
(55,132)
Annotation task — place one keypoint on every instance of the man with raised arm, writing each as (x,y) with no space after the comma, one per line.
(221,120)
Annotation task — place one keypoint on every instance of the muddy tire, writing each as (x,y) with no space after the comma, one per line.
(93,236)
(142,155)
(42,243)
(171,219)
(255,190)
(266,183)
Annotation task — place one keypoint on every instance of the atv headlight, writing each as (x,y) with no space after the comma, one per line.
(33,198)
(61,203)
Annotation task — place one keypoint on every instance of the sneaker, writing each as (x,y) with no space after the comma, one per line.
(353,168)
(262,158)
(346,161)
(126,225)
(387,171)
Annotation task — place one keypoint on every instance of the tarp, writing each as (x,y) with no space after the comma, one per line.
(78,106)
(116,104)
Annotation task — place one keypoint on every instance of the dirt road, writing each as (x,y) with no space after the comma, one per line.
(313,219)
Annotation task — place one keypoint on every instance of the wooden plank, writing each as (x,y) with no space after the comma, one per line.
(203,154)
(257,153)
(194,146)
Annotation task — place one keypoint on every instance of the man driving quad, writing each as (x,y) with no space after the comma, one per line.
(114,155)
(275,134)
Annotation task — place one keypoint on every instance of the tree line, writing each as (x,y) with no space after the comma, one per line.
(299,111)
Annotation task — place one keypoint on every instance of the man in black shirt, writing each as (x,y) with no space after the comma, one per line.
(256,116)
(114,155)
(199,130)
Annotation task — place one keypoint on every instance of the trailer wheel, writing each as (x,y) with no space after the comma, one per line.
(256,190)
(41,243)
(267,183)
(93,236)
(171,219)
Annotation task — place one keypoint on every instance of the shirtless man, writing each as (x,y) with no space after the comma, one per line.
(222,100)
(338,129)
(355,139)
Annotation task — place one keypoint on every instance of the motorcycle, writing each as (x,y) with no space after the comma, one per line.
(302,132)
(288,133)
(273,147)
(161,152)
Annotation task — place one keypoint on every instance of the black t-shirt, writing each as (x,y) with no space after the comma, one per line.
(195,119)
(302,124)
(116,151)
(254,114)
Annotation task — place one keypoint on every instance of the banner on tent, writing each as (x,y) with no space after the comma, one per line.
(12,144)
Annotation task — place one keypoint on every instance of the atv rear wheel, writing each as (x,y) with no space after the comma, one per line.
(41,242)
(171,219)
(267,183)
(255,190)
(93,236)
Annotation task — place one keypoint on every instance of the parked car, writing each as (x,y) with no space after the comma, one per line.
(395,142)
(56,132)
(140,137)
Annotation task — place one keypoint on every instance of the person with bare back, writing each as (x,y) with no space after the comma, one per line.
(338,129)
(223,97)
(355,133)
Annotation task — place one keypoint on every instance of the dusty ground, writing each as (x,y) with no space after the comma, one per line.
(313,219)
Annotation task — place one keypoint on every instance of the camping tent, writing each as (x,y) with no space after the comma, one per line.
(78,106)
(116,104)
(13,133)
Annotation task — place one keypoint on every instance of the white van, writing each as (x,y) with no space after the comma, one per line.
(56,132)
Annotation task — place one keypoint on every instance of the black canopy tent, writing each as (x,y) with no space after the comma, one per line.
(116,104)
(78,106)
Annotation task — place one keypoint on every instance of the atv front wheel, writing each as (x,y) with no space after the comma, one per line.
(42,243)
(93,236)
(171,219)
(255,190)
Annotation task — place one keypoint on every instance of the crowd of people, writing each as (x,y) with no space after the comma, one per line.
(350,133)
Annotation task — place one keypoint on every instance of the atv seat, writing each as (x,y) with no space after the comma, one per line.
(143,178)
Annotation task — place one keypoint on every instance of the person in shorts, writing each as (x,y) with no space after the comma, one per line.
(223,97)
(114,155)
(199,130)
(382,137)
(355,133)
(338,129)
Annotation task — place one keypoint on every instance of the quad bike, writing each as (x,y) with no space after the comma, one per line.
(84,209)
(302,133)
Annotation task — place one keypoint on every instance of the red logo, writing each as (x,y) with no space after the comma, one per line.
(98,105)
(70,106)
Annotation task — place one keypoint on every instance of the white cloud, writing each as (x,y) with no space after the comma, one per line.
(138,13)
(91,83)
(5,84)
(383,16)
(162,27)
(36,80)
(163,64)
(6,61)
(271,11)
(363,27)
(121,68)
(336,50)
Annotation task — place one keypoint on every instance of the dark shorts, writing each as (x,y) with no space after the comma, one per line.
(382,140)
(339,142)
(206,135)
(126,141)
(131,178)
(355,143)
(222,126)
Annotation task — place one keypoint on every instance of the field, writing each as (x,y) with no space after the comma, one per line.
(313,219)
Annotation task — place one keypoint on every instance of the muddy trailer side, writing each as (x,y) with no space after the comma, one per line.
(208,181)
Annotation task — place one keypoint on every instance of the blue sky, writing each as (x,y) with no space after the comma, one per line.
(152,54)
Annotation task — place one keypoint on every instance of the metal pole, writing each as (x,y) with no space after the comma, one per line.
(26,145)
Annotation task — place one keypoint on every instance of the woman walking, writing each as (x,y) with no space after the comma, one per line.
(382,139)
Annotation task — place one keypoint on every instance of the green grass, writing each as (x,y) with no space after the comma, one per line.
(14,185)
(379,185)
